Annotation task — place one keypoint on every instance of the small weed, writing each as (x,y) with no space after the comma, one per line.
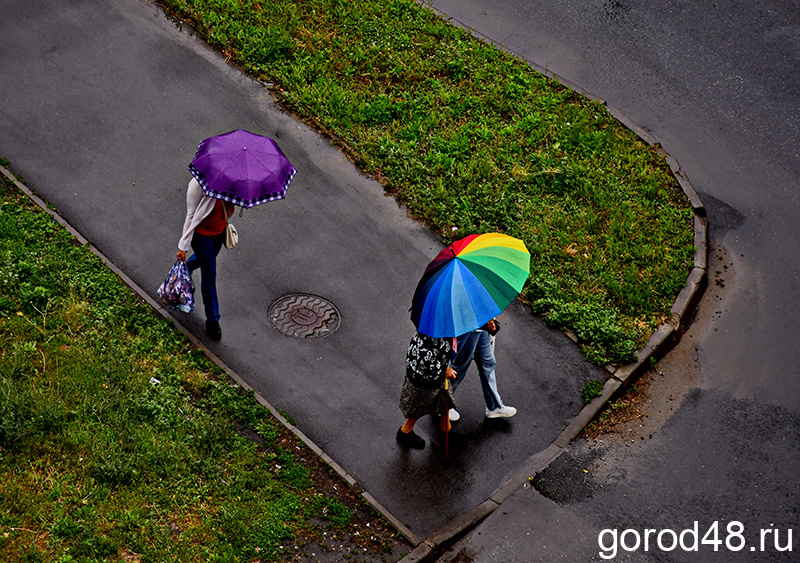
(113,472)
(591,390)
(288,418)
(621,411)
(33,555)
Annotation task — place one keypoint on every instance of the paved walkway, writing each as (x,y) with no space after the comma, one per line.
(102,104)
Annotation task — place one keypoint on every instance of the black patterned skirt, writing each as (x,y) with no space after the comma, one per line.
(416,402)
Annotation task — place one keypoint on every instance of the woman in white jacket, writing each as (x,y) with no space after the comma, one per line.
(204,232)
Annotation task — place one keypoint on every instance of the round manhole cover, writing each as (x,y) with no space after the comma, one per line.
(303,315)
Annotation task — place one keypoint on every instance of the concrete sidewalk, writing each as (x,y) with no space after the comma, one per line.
(102,105)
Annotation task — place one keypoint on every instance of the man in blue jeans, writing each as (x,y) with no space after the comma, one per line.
(478,345)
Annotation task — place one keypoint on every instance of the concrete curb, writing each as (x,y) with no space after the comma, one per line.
(659,343)
(166,314)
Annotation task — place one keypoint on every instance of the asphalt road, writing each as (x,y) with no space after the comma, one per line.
(102,105)
(718,84)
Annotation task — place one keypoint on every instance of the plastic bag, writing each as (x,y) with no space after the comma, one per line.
(177,291)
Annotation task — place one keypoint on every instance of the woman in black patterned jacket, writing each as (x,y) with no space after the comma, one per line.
(427,367)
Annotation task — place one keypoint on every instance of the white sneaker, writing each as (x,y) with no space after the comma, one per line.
(502,412)
(453,414)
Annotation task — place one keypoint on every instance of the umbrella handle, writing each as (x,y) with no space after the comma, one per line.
(447,414)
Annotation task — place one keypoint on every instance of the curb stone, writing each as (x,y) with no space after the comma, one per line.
(688,298)
(659,343)
(700,238)
(521,476)
(166,314)
(587,413)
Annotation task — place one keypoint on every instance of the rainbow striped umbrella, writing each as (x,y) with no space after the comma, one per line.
(469,283)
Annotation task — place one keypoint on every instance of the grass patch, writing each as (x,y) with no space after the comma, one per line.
(472,140)
(120,442)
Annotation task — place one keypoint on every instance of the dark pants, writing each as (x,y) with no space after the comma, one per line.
(205,257)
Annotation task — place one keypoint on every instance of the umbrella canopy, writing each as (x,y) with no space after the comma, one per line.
(243,168)
(469,283)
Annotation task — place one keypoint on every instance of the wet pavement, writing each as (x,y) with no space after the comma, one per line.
(102,105)
(718,84)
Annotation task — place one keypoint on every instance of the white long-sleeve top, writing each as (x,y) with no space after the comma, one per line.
(198,206)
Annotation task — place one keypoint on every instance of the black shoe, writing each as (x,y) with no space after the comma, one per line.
(410,440)
(213,330)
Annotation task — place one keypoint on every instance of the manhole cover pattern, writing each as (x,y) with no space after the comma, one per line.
(303,315)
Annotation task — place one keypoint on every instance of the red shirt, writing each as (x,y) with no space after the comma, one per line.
(216,221)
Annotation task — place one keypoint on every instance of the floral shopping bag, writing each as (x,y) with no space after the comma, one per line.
(177,291)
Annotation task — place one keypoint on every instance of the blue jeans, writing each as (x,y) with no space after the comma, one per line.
(205,257)
(477,345)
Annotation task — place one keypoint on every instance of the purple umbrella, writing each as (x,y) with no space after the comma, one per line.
(243,168)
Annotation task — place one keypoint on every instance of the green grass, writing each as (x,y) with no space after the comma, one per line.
(120,442)
(472,140)
(591,390)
